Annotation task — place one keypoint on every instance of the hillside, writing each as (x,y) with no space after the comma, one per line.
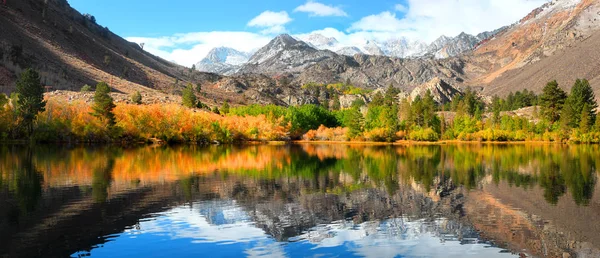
(559,40)
(556,41)
(71,50)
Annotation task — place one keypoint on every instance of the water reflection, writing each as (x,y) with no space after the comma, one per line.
(300,200)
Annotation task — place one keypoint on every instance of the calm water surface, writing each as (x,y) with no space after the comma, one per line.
(300,201)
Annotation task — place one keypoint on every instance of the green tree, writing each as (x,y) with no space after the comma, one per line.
(31,98)
(225,108)
(377,100)
(581,94)
(585,123)
(3,100)
(189,98)
(390,95)
(355,123)
(103,104)
(496,109)
(136,98)
(552,100)
(198,87)
(336,102)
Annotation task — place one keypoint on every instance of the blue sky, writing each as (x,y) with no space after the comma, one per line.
(184,31)
(151,18)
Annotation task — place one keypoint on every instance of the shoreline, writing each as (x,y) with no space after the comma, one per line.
(255,142)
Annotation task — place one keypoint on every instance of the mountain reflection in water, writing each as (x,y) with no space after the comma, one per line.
(300,200)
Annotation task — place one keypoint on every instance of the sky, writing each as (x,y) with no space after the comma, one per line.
(184,31)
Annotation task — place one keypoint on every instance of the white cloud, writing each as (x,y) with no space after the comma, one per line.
(319,9)
(423,20)
(189,48)
(401,8)
(385,21)
(271,22)
(429,19)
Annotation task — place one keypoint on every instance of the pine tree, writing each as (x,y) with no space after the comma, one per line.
(103,104)
(581,94)
(31,98)
(390,95)
(585,123)
(552,101)
(224,108)
(188,98)
(355,122)
(377,100)
(336,102)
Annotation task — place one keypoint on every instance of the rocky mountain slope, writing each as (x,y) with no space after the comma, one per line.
(402,47)
(286,55)
(222,60)
(559,40)
(70,50)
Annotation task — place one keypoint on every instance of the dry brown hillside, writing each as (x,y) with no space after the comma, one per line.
(560,40)
(71,50)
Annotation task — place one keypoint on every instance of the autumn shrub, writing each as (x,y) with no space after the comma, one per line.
(401,135)
(426,134)
(380,135)
(324,133)
(69,122)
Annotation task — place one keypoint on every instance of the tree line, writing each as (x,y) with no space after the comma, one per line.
(558,116)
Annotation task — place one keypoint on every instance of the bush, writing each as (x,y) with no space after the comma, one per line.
(324,133)
(136,98)
(86,88)
(427,134)
(380,135)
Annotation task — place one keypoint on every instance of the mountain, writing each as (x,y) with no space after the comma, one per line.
(372,48)
(559,40)
(401,47)
(441,91)
(319,41)
(445,47)
(285,54)
(222,60)
(348,51)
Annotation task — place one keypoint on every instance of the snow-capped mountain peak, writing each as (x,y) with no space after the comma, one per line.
(321,42)
(222,60)
(225,55)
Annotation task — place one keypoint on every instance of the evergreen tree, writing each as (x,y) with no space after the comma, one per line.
(224,108)
(198,87)
(405,113)
(103,104)
(390,95)
(336,102)
(418,113)
(581,94)
(377,99)
(3,101)
(552,101)
(585,123)
(189,98)
(428,109)
(355,122)
(496,109)
(31,98)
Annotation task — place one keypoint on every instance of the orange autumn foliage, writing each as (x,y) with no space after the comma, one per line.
(64,121)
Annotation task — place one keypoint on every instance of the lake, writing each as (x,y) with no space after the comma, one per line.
(304,200)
